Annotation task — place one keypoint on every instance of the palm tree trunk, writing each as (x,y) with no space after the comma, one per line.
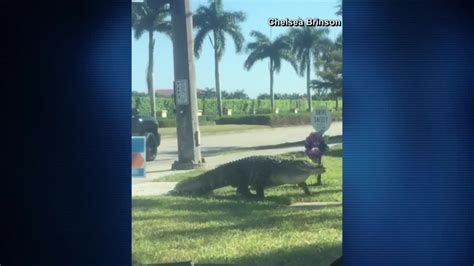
(216,76)
(272,97)
(308,89)
(149,75)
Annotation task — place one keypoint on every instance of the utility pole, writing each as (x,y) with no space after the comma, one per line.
(187,123)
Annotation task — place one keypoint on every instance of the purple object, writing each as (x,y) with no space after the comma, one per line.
(315,145)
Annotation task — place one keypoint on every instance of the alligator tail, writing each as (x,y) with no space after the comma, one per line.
(199,185)
(189,186)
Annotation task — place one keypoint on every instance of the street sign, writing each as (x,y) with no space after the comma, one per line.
(182,93)
(138,156)
(321,119)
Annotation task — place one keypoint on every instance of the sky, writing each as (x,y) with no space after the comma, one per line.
(232,74)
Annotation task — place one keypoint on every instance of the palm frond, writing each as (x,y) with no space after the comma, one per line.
(216,5)
(276,63)
(199,39)
(220,43)
(200,18)
(145,18)
(236,35)
(339,8)
(138,31)
(288,57)
(260,37)
(252,58)
(303,61)
(235,17)
(166,28)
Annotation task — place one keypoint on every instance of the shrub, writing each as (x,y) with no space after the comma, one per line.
(238,106)
(336,115)
(290,119)
(205,120)
(274,120)
(209,118)
(166,122)
(264,111)
(171,122)
(245,120)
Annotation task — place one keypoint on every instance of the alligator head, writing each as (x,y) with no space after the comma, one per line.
(295,172)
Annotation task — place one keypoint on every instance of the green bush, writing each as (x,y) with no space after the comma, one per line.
(245,120)
(336,115)
(238,106)
(264,111)
(274,120)
(290,119)
(209,118)
(171,122)
(204,120)
(268,120)
(166,122)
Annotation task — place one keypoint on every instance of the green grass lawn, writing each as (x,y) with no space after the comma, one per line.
(213,129)
(226,228)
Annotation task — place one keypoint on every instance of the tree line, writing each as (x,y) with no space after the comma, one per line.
(210,93)
(308,50)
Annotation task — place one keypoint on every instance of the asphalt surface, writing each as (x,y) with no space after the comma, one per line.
(212,144)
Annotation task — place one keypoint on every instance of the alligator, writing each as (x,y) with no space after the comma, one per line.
(258,172)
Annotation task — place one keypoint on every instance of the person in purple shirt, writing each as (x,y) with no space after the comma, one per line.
(315,147)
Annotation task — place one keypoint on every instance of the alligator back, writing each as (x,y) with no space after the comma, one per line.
(252,171)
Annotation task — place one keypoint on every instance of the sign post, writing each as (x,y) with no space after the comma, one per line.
(138,156)
(189,150)
(321,120)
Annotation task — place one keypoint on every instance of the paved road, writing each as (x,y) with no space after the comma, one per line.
(218,143)
(168,151)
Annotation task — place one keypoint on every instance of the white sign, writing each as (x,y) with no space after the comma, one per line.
(321,119)
(181,91)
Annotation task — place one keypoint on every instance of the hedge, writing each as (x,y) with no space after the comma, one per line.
(245,120)
(274,120)
(238,106)
(171,122)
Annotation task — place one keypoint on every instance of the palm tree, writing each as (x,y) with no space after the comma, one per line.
(275,51)
(148,19)
(213,20)
(339,8)
(330,75)
(308,43)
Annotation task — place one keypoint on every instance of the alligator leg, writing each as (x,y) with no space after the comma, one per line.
(260,193)
(305,188)
(318,182)
(260,184)
(244,190)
